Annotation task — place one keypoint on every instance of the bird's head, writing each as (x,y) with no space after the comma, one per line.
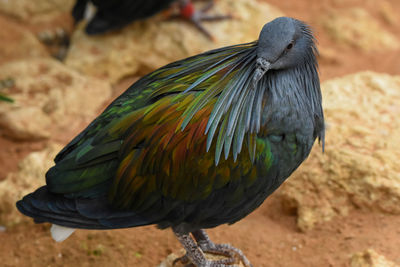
(284,43)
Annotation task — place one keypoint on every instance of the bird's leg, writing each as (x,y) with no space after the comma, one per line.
(188,11)
(202,238)
(194,254)
(206,245)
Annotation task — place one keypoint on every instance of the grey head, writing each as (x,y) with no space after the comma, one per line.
(284,43)
(288,44)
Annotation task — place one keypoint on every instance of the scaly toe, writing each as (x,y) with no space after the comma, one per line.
(184,260)
(233,254)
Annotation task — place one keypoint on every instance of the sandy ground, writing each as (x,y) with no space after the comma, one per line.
(269,236)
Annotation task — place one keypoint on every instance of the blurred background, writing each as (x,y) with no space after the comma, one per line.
(340,208)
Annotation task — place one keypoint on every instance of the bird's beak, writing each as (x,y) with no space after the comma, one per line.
(262,67)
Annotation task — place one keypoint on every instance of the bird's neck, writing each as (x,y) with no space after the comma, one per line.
(293,98)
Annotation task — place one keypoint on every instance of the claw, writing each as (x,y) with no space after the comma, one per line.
(233,254)
(183,260)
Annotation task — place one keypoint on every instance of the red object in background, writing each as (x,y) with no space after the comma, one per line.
(187,10)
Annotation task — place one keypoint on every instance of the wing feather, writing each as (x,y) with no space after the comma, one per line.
(168,117)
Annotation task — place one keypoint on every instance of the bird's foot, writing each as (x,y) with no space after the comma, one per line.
(189,12)
(186,262)
(227,250)
(233,254)
(195,251)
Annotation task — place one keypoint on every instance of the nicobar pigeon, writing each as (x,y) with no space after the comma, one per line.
(195,144)
(113,15)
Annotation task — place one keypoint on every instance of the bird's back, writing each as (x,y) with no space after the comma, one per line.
(111,15)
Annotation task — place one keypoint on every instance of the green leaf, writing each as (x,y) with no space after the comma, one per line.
(6,99)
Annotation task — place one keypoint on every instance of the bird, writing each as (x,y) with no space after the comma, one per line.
(113,15)
(195,144)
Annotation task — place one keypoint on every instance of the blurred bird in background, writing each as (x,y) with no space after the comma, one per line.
(113,15)
(105,16)
(195,144)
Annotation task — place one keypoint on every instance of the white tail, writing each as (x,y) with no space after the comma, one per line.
(60,233)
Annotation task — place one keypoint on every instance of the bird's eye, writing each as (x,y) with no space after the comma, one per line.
(289,46)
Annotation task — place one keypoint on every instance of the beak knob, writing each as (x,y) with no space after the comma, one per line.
(262,67)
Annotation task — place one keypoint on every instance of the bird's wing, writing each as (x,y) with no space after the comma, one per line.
(222,73)
(163,124)
(160,160)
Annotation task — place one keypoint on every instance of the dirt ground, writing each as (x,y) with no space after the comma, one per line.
(269,236)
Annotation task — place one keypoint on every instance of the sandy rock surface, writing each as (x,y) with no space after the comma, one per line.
(32,11)
(169,261)
(18,42)
(146,45)
(359,168)
(369,258)
(356,27)
(388,13)
(49,98)
(30,176)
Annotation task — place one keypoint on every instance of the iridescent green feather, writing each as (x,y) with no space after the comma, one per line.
(227,78)
(219,80)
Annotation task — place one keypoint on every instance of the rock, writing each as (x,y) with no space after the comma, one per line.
(47,93)
(29,177)
(360,165)
(328,56)
(28,10)
(39,17)
(17,42)
(369,258)
(388,12)
(169,261)
(356,27)
(24,123)
(147,45)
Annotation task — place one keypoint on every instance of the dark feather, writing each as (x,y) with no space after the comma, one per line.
(154,155)
(112,15)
